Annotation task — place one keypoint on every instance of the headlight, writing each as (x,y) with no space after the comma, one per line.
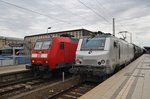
(103,61)
(78,61)
(46,62)
(33,61)
(99,63)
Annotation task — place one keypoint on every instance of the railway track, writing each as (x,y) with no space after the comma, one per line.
(6,84)
(29,88)
(14,76)
(73,92)
(22,86)
(71,88)
(19,86)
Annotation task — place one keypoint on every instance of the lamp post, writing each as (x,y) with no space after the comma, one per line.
(130,37)
(48,28)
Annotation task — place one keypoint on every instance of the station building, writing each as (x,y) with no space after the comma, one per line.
(10,41)
(7,44)
(29,41)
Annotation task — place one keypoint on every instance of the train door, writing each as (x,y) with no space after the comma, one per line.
(119,53)
(66,56)
(62,48)
(116,52)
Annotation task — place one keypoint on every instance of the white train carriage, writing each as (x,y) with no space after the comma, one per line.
(101,55)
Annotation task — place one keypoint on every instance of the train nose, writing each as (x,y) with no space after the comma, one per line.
(74,70)
(78,61)
(99,63)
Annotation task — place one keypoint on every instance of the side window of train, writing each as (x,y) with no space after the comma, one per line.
(62,45)
(115,44)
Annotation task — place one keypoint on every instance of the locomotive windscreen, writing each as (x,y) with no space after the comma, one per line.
(96,43)
(42,45)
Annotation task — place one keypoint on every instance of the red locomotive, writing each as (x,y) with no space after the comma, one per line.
(53,53)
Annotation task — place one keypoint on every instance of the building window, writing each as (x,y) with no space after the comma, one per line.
(75,34)
(80,34)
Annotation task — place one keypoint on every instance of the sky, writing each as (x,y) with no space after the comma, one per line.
(19,18)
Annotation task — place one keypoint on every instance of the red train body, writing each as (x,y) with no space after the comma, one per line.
(55,53)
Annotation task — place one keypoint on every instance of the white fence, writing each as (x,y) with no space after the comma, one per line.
(6,62)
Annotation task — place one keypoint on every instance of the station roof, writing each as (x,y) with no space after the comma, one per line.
(10,38)
(60,32)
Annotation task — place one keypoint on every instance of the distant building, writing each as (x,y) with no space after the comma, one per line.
(30,40)
(10,41)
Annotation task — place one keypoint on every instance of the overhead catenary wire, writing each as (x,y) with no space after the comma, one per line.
(121,25)
(50,17)
(73,14)
(108,12)
(65,9)
(104,8)
(99,15)
(54,18)
(106,15)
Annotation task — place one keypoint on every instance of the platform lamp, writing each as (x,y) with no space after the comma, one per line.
(48,29)
(130,37)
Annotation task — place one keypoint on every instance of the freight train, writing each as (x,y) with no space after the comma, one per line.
(53,54)
(101,55)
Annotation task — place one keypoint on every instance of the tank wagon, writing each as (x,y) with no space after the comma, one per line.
(102,55)
(138,51)
(53,54)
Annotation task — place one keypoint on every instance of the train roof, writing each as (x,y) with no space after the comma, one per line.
(45,39)
(107,35)
(72,39)
(59,32)
(103,35)
(60,38)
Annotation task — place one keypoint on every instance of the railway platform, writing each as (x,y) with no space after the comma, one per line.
(10,74)
(12,69)
(132,82)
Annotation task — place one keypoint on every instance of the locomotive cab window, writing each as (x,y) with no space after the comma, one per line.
(62,45)
(42,44)
(96,43)
(115,44)
(46,45)
(38,45)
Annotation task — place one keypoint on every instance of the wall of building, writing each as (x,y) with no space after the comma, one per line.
(7,41)
(30,40)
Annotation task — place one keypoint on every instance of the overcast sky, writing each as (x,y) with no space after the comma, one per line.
(19,18)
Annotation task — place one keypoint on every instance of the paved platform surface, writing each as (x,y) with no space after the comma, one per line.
(9,69)
(132,82)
